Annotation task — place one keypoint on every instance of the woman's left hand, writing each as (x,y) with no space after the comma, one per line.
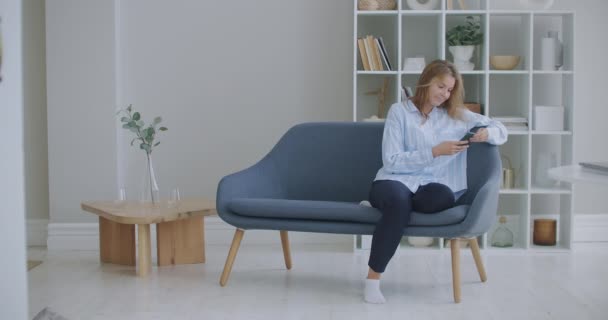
(480,136)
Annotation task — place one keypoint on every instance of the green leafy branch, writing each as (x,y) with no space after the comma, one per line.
(146,135)
(465,34)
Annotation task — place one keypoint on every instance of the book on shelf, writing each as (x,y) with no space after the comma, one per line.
(363,54)
(513,119)
(385,58)
(369,49)
(375,53)
(513,123)
(374,56)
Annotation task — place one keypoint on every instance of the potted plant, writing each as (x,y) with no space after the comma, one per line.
(462,40)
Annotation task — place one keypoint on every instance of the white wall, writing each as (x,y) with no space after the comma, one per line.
(34,100)
(13,283)
(229,78)
(80,105)
(591,112)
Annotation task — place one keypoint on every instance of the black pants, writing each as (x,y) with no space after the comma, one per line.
(396,202)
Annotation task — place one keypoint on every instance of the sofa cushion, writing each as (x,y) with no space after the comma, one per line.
(334,211)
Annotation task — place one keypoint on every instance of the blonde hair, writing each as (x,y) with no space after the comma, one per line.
(434,71)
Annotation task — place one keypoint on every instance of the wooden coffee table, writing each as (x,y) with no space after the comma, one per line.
(179,231)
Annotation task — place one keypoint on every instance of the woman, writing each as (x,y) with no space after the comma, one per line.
(424,161)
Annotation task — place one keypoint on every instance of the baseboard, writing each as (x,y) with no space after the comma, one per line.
(588,228)
(85,236)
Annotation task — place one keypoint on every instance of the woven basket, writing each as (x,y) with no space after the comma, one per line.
(387,4)
(368,5)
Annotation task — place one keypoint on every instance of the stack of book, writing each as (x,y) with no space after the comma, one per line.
(374,56)
(513,123)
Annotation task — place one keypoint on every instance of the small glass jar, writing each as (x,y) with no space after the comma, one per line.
(502,237)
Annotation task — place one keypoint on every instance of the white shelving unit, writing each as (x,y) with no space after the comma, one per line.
(408,33)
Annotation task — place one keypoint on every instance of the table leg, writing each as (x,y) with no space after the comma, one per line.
(181,241)
(116,242)
(143,250)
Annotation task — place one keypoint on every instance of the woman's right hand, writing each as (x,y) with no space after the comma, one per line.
(448,148)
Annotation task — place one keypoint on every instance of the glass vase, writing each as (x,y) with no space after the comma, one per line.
(502,237)
(150,192)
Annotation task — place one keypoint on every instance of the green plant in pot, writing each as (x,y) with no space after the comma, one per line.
(462,40)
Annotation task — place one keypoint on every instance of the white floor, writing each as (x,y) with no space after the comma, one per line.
(324,283)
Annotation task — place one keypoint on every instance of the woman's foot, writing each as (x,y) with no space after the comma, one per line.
(372,292)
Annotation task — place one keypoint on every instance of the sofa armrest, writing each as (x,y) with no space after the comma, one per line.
(261,180)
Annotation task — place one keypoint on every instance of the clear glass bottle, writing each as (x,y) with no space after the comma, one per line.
(502,237)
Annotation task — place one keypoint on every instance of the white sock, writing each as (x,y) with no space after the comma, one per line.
(372,291)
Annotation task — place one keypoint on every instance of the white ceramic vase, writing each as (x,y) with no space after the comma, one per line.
(462,55)
(422,4)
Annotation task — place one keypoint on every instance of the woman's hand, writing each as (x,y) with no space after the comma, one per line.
(447,148)
(480,136)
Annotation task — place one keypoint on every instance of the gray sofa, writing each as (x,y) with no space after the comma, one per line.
(316,175)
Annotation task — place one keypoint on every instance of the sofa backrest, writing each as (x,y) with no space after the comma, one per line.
(334,161)
(483,165)
(338,161)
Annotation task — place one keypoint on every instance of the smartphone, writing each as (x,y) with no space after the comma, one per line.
(471,133)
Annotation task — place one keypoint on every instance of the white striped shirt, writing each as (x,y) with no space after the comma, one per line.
(408,141)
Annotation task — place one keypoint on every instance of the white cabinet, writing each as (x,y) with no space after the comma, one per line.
(501,93)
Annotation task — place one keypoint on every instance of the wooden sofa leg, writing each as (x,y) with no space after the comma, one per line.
(234,248)
(478,262)
(455,248)
(286,251)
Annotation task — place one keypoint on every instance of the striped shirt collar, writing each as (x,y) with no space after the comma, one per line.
(410,107)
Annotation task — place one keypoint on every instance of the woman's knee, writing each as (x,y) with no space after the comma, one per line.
(433,197)
(390,194)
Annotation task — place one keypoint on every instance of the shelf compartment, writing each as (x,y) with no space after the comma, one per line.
(379,26)
(418,44)
(554,21)
(409,80)
(557,207)
(549,151)
(545,86)
(368,102)
(509,95)
(454,18)
(516,150)
(510,35)
(513,207)
(474,88)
